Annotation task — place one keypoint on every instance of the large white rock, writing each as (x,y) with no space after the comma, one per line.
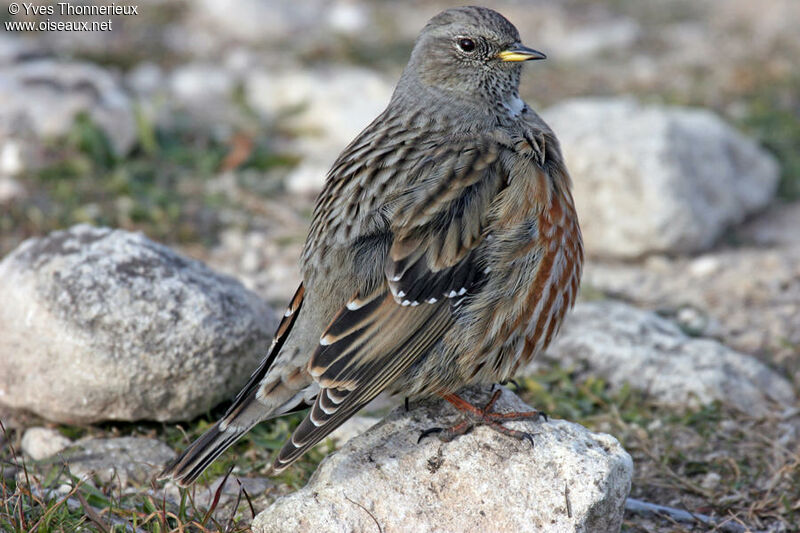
(658,179)
(625,345)
(42,98)
(98,324)
(571,480)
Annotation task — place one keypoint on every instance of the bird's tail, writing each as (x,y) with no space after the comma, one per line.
(245,412)
(201,453)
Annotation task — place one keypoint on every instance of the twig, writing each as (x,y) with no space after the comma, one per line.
(568,502)
(92,514)
(247,497)
(217,495)
(380,529)
(640,507)
(229,526)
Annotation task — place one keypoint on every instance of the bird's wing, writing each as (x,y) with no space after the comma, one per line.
(438,223)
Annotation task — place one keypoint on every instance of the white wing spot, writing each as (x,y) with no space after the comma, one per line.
(324,340)
(432,300)
(401,294)
(327,411)
(355,304)
(462,291)
(452,294)
(405,303)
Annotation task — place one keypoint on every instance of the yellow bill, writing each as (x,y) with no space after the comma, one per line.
(520,53)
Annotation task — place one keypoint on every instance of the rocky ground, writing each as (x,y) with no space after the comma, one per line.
(209,130)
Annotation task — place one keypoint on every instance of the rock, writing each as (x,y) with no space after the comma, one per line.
(267,266)
(11,158)
(482,481)
(128,460)
(309,176)
(625,345)
(204,496)
(11,190)
(212,26)
(257,21)
(330,107)
(44,96)
(355,425)
(775,227)
(201,84)
(570,40)
(751,296)
(349,18)
(14,48)
(107,325)
(146,78)
(39,443)
(658,179)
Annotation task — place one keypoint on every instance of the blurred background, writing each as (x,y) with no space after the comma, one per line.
(209,126)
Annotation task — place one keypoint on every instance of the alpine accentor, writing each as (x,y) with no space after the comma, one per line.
(444,250)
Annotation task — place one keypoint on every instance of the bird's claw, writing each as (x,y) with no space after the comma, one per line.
(427,432)
(529,438)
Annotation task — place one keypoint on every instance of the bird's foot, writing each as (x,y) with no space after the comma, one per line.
(477,416)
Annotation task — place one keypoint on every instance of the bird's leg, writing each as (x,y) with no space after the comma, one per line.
(477,416)
(510,380)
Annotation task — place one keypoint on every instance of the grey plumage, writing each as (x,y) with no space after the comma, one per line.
(444,248)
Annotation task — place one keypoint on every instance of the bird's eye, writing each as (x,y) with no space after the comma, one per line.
(467,45)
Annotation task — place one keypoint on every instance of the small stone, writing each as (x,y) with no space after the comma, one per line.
(704,266)
(10,190)
(126,460)
(571,480)
(711,481)
(40,443)
(11,159)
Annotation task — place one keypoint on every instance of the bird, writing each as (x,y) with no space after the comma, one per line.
(443,252)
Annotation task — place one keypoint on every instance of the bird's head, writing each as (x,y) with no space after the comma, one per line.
(470,54)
